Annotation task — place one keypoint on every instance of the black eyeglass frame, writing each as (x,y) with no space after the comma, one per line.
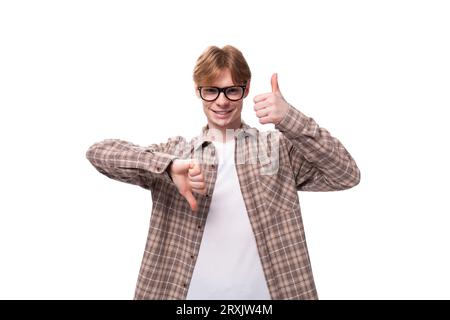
(199,88)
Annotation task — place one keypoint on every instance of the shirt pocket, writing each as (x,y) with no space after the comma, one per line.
(278,188)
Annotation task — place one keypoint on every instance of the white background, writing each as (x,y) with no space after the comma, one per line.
(376,74)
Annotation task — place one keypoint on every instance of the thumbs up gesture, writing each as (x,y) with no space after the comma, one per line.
(188,177)
(271,107)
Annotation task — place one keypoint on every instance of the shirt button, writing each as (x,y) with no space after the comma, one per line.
(184,285)
(192,256)
(206,195)
(213,166)
(158,168)
(199,226)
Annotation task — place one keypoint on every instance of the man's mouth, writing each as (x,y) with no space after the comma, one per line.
(221,112)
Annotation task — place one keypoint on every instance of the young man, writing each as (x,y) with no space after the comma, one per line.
(226,220)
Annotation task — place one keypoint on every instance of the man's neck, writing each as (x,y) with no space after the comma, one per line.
(220,133)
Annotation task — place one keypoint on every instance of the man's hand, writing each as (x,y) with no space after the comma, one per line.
(271,107)
(188,177)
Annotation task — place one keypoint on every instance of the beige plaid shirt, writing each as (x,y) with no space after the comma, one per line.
(307,158)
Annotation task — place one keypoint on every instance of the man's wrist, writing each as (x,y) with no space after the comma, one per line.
(293,123)
(169,168)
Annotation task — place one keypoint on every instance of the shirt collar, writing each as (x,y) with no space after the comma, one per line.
(206,137)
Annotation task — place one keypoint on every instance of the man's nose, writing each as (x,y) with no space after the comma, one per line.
(221,99)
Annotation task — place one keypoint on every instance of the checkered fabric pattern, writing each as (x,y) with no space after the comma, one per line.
(307,158)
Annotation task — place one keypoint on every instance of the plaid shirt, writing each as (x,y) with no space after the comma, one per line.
(308,159)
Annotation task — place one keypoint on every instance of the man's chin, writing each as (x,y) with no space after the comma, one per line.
(220,124)
(223,124)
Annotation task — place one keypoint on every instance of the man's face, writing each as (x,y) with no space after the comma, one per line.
(222,113)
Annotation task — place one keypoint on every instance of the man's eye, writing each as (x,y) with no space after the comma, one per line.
(210,90)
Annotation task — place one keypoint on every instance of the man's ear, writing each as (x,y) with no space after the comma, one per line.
(247,89)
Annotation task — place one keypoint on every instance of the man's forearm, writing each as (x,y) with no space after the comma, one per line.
(127,162)
(320,149)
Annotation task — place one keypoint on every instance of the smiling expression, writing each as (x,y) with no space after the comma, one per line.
(222,113)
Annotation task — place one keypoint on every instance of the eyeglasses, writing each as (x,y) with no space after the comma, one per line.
(233,93)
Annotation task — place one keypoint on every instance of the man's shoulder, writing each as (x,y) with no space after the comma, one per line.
(255,132)
(245,131)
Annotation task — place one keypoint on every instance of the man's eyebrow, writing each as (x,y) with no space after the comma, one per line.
(230,85)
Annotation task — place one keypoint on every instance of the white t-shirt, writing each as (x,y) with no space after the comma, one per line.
(228,264)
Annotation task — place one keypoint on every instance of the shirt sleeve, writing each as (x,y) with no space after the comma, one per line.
(319,161)
(127,162)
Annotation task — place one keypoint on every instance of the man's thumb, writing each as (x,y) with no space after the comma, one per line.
(274,82)
(185,165)
(191,200)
